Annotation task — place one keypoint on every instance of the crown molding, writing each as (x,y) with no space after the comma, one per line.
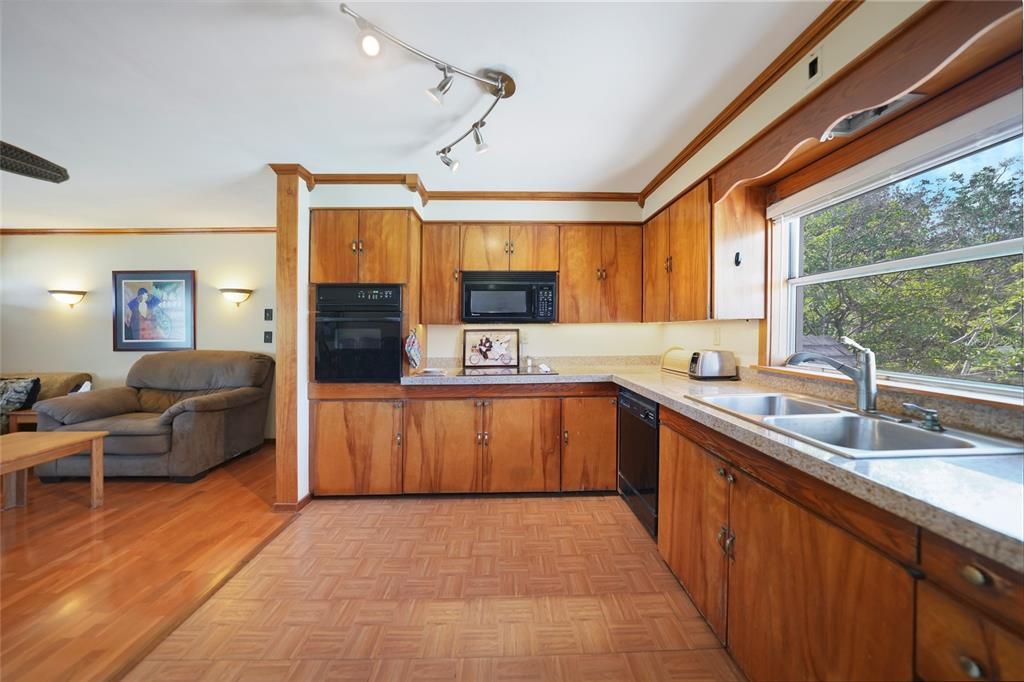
(25,231)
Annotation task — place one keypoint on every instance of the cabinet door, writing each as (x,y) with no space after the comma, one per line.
(693,518)
(441,450)
(521,449)
(809,601)
(690,253)
(384,247)
(579,283)
(533,247)
(588,444)
(485,247)
(357,447)
(738,266)
(333,252)
(656,268)
(441,277)
(622,285)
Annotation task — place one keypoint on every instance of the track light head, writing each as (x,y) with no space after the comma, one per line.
(448,161)
(369,43)
(478,138)
(438,92)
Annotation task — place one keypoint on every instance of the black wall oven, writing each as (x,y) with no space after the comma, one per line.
(358,333)
(509,296)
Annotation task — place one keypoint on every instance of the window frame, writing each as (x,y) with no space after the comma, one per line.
(937,147)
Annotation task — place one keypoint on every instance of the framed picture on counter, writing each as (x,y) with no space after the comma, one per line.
(490,348)
(154,310)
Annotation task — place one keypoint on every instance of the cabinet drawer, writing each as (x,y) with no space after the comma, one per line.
(979,580)
(956,642)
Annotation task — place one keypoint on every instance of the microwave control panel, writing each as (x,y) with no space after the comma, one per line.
(545,303)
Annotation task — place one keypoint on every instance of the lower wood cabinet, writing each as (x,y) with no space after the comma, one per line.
(442,446)
(588,444)
(693,522)
(357,447)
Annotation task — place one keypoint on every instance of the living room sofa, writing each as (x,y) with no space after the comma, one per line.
(180,414)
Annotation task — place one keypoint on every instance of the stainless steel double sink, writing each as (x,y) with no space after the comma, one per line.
(852,434)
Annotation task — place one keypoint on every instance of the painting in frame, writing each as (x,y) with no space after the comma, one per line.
(154,310)
(484,348)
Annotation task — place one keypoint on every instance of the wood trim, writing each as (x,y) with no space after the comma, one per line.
(133,230)
(826,22)
(295,169)
(987,86)
(625,223)
(286,378)
(293,507)
(1000,402)
(625,197)
(892,535)
(399,391)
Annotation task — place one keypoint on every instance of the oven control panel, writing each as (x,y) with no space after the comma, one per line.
(341,297)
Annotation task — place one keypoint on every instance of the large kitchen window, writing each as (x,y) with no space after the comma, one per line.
(926,269)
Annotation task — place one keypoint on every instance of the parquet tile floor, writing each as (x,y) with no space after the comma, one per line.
(519,588)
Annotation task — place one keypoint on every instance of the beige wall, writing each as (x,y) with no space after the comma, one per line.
(39,334)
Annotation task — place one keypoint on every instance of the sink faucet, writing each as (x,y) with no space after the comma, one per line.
(863,374)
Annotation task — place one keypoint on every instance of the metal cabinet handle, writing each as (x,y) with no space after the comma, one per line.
(670,263)
(730,540)
(720,537)
(565,437)
(971,668)
(726,475)
(398,438)
(506,247)
(512,247)
(599,273)
(721,471)
(353,246)
(479,438)
(360,246)
(478,403)
(668,267)
(455,274)
(737,260)
(974,575)
(487,439)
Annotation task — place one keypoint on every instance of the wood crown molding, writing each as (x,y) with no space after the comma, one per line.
(826,22)
(134,230)
(295,169)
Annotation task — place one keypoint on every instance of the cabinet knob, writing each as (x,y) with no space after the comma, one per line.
(360,246)
(971,668)
(512,247)
(506,247)
(737,260)
(974,575)
(398,439)
(487,439)
(721,472)
(354,246)
(479,438)
(730,540)
(455,275)
(599,273)
(565,437)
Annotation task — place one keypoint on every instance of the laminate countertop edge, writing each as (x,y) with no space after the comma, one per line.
(976,502)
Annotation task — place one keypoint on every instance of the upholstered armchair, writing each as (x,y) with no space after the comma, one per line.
(179,414)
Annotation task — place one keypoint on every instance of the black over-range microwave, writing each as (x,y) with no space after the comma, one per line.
(509,296)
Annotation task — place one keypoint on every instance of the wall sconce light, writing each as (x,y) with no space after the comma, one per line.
(236,296)
(71,298)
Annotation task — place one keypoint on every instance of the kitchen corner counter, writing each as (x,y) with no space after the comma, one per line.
(977,502)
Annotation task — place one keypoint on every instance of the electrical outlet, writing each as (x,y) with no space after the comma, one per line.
(268,337)
(268,314)
(717,339)
(812,67)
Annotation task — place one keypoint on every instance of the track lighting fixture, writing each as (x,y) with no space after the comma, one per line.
(497,83)
(438,92)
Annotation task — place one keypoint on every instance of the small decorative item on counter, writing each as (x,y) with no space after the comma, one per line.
(490,348)
(412,349)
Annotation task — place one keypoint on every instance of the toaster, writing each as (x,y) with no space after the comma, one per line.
(712,364)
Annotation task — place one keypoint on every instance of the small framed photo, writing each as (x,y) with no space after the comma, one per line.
(154,310)
(490,348)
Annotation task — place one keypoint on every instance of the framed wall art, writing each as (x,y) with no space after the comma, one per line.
(490,348)
(154,310)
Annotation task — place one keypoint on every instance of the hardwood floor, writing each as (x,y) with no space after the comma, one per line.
(84,594)
(511,588)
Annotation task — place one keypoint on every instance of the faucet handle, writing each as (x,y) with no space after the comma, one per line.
(930,418)
(847,341)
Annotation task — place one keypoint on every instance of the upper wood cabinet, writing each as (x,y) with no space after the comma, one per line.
(588,444)
(739,239)
(677,253)
(807,600)
(357,447)
(518,247)
(600,279)
(364,245)
(441,273)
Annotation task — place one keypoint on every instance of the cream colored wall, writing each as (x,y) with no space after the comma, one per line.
(39,334)
(868,23)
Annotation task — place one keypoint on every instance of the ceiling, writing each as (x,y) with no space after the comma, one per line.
(166,113)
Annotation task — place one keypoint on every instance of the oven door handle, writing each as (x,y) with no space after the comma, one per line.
(321,318)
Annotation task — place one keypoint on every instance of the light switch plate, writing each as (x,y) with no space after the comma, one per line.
(268,314)
(268,337)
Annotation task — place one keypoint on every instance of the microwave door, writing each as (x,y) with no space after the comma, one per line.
(498,301)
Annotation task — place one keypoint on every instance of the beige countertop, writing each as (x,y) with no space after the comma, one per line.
(977,502)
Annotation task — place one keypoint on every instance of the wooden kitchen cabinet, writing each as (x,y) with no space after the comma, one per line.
(601,273)
(521,449)
(807,600)
(656,269)
(521,247)
(357,447)
(441,273)
(690,254)
(739,239)
(442,446)
(362,246)
(693,522)
(589,444)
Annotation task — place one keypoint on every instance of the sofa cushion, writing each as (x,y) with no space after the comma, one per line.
(132,433)
(200,370)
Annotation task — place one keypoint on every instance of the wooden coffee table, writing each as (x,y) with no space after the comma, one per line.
(16,419)
(25,449)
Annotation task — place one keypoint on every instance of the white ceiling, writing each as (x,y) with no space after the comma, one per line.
(166,113)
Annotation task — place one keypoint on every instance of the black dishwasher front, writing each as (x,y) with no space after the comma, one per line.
(638,457)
